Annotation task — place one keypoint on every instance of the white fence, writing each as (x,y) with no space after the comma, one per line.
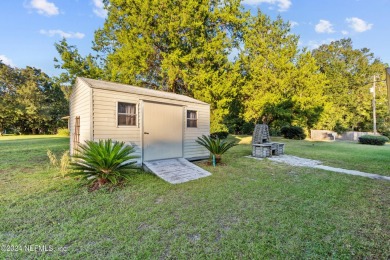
(321,135)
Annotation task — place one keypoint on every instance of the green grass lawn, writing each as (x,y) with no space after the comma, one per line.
(342,154)
(246,209)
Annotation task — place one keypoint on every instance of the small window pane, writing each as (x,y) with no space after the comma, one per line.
(122,107)
(126,120)
(192,118)
(127,114)
(191,123)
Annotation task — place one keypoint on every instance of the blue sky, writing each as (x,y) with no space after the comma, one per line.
(29,28)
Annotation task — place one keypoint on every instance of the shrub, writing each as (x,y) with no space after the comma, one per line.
(103,162)
(52,158)
(373,139)
(274,132)
(339,128)
(293,132)
(63,164)
(386,133)
(218,127)
(216,146)
(63,132)
(220,135)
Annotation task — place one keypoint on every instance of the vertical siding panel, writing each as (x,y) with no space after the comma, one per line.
(191,148)
(80,105)
(105,119)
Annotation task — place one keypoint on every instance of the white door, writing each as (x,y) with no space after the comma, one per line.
(163,131)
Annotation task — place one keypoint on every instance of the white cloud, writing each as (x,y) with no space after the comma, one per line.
(344,32)
(99,8)
(358,25)
(51,33)
(6,60)
(315,44)
(293,24)
(283,5)
(44,7)
(324,26)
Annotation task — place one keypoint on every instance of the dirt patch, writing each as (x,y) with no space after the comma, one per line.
(208,163)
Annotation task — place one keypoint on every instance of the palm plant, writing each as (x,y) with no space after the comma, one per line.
(103,161)
(216,146)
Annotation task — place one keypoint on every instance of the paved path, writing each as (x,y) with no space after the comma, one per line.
(298,161)
(176,170)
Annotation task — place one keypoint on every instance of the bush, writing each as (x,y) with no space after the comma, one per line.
(339,128)
(386,133)
(52,158)
(103,162)
(220,135)
(373,139)
(216,146)
(63,132)
(293,132)
(274,132)
(63,164)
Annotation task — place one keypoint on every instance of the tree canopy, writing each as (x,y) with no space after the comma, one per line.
(350,73)
(245,65)
(30,102)
(280,82)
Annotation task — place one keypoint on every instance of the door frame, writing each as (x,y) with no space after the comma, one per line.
(142,113)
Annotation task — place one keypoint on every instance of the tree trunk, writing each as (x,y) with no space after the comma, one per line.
(217,158)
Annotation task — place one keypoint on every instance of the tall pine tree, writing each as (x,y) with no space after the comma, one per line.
(281,84)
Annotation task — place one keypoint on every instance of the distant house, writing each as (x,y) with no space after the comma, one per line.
(161,125)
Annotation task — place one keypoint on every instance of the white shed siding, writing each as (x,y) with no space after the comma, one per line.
(80,105)
(105,102)
(191,148)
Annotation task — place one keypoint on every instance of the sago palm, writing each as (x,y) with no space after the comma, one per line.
(103,161)
(216,146)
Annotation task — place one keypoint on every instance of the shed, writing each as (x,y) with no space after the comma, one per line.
(160,125)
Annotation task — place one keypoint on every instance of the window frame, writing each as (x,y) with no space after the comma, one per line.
(192,119)
(117,113)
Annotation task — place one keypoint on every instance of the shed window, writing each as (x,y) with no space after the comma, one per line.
(192,118)
(127,114)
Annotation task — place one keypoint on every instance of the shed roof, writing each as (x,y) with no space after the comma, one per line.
(118,87)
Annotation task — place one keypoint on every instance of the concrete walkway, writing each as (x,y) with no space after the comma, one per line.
(303,162)
(176,171)
(353,172)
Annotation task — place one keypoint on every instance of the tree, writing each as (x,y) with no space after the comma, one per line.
(32,110)
(186,47)
(9,80)
(41,103)
(176,46)
(350,74)
(30,102)
(75,66)
(280,83)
